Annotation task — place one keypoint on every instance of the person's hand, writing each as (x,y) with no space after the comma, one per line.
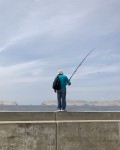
(55,91)
(69,83)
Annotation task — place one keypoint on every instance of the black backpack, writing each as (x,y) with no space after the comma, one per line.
(56,83)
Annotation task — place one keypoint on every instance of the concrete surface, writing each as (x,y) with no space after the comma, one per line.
(27,116)
(57,116)
(88,136)
(28,136)
(88,116)
(59,130)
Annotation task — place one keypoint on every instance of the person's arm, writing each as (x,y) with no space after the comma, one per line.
(68,81)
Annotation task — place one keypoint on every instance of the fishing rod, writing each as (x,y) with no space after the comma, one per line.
(81,63)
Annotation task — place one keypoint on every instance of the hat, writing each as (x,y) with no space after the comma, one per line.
(60,72)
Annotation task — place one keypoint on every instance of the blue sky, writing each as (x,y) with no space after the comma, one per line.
(40,37)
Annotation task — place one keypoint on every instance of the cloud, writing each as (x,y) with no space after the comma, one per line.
(23,73)
(40,37)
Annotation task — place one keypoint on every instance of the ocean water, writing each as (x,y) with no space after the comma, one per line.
(52,108)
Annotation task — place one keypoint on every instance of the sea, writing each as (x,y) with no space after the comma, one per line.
(52,108)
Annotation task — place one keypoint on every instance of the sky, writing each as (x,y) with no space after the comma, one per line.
(40,37)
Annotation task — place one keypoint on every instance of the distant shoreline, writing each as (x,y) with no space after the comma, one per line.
(2,103)
(82,103)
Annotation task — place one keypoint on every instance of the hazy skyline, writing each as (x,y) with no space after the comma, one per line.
(40,37)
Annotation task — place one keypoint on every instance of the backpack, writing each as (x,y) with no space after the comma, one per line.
(56,83)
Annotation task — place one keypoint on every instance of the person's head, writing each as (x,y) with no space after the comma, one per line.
(60,72)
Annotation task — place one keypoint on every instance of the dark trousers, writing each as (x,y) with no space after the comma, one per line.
(61,97)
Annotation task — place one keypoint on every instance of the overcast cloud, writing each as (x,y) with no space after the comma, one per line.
(39,37)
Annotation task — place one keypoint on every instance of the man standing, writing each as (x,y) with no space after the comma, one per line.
(61,93)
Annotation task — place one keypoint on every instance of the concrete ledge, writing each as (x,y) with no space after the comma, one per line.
(59,130)
(88,116)
(58,116)
(27,116)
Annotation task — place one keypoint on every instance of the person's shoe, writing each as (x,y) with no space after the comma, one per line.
(58,110)
(63,110)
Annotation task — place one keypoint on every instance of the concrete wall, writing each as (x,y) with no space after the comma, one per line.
(59,130)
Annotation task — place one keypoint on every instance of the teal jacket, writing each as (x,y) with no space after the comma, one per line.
(63,81)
